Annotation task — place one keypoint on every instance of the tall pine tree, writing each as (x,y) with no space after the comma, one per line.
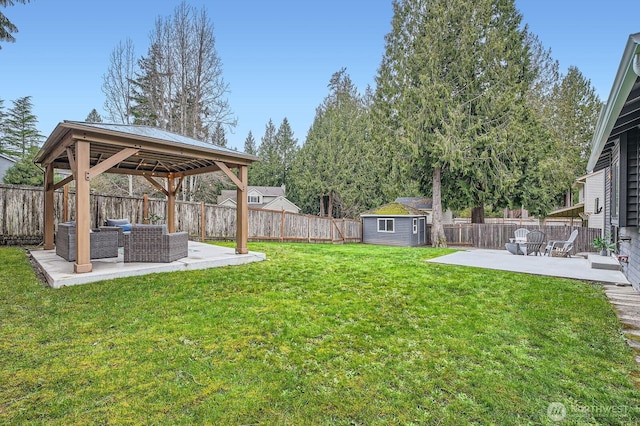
(336,172)
(22,134)
(250,144)
(93,117)
(452,86)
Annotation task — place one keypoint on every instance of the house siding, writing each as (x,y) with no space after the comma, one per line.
(632,179)
(607,198)
(594,188)
(631,249)
(403,235)
(4,166)
(630,230)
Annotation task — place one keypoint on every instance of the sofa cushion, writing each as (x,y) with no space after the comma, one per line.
(122,223)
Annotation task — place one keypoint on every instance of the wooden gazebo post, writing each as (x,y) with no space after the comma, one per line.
(171,204)
(48,208)
(242,231)
(83,210)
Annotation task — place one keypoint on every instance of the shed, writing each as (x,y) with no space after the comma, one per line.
(394,224)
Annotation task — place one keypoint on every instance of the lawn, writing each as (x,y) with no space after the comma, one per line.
(318,334)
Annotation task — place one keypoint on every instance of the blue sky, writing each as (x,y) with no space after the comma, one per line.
(277,55)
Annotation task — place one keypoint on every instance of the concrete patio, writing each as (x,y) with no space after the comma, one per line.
(575,267)
(59,273)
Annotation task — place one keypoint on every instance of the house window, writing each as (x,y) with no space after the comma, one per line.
(254,199)
(385,225)
(415,225)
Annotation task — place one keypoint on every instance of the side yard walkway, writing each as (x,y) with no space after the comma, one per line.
(626,302)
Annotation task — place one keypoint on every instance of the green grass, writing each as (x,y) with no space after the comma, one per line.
(318,334)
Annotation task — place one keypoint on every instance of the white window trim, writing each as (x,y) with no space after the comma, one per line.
(249,197)
(386,227)
(415,225)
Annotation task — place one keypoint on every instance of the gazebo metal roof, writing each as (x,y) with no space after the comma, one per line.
(159,152)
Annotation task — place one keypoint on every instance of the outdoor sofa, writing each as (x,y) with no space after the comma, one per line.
(103,243)
(153,243)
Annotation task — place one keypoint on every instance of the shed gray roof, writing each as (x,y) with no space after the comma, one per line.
(393,209)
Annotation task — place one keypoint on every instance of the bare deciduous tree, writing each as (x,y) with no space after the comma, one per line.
(117,83)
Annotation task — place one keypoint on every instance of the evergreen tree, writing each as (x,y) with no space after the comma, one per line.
(219,138)
(250,144)
(574,114)
(4,148)
(6,27)
(286,147)
(93,117)
(453,87)
(25,172)
(21,128)
(335,168)
(265,171)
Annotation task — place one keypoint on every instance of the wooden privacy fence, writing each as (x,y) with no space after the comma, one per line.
(494,236)
(21,218)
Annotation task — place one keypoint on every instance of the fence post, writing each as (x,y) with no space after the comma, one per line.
(282,227)
(308,229)
(65,203)
(145,208)
(202,219)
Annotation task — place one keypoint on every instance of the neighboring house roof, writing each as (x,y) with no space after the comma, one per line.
(272,205)
(275,194)
(269,191)
(393,209)
(265,191)
(619,113)
(419,203)
(9,157)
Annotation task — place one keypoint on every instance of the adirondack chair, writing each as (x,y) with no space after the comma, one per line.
(521,235)
(561,248)
(535,240)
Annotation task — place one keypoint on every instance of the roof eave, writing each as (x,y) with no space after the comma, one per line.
(622,85)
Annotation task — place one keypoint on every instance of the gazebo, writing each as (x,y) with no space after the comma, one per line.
(89,149)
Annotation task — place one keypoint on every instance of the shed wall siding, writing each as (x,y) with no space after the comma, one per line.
(403,235)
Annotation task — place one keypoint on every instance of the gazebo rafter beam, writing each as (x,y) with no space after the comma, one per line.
(110,162)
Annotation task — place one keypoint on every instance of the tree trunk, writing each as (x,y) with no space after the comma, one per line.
(438,239)
(330,208)
(322,206)
(477,214)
